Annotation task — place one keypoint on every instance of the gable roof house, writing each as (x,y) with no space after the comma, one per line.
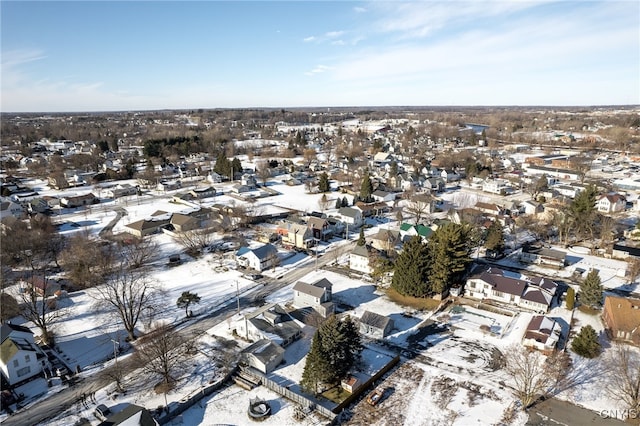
(385,240)
(10,209)
(270,322)
(543,256)
(611,203)
(359,259)
(351,216)
(375,325)
(407,231)
(543,334)
(131,415)
(20,357)
(263,355)
(150,225)
(296,235)
(317,296)
(531,293)
(621,316)
(320,228)
(79,200)
(260,259)
(384,196)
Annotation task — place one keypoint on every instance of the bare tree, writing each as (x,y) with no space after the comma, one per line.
(324,202)
(633,269)
(419,206)
(139,251)
(195,240)
(531,375)
(263,171)
(623,380)
(162,351)
(39,305)
(87,263)
(129,294)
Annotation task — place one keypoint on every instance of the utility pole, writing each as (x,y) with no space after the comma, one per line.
(316,241)
(116,344)
(238,295)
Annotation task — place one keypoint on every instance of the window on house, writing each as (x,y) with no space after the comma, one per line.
(16,363)
(27,358)
(23,371)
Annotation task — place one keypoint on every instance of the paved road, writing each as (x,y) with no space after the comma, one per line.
(61,401)
(561,413)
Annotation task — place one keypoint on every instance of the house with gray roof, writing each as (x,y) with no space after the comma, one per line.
(359,259)
(543,256)
(375,325)
(351,216)
(263,355)
(20,357)
(317,296)
(531,293)
(260,258)
(270,322)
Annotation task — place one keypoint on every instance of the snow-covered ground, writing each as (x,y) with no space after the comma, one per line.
(455,385)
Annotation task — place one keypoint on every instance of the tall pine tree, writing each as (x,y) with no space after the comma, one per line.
(366,188)
(448,251)
(411,270)
(323,183)
(361,240)
(495,238)
(335,348)
(591,289)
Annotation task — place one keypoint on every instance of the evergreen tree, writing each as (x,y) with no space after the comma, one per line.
(323,183)
(591,289)
(335,348)
(345,202)
(448,251)
(186,299)
(495,238)
(361,240)
(586,343)
(571,298)
(222,166)
(236,166)
(366,188)
(393,168)
(582,212)
(410,273)
(338,203)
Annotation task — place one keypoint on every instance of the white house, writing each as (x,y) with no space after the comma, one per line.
(531,207)
(260,259)
(351,216)
(359,259)
(385,196)
(263,355)
(317,296)
(611,203)
(496,186)
(531,293)
(375,325)
(20,357)
(269,322)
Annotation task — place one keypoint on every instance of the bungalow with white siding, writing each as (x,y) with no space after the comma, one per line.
(263,355)
(351,216)
(270,322)
(611,203)
(359,259)
(531,293)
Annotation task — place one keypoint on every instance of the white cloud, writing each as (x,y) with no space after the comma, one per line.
(359,9)
(319,69)
(308,39)
(334,34)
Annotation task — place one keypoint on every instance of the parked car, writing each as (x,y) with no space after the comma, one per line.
(62,371)
(102,412)
(375,396)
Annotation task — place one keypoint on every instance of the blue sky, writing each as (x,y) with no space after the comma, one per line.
(126,55)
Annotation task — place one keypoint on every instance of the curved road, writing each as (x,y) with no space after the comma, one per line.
(59,402)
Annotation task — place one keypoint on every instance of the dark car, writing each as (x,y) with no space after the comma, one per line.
(102,412)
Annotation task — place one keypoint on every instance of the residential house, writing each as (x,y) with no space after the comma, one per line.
(377,208)
(296,235)
(42,286)
(375,325)
(543,256)
(79,200)
(407,231)
(383,196)
(359,259)
(20,357)
(120,190)
(317,296)
(10,209)
(249,181)
(531,207)
(489,208)
(269,322)
(151,225)
(263,355)
(564,174)
(531,293)
(214,177)
(623,251)
(435,184)
(543,334)
(259,259)
(496,186)
(203,192)
(385,240)
(450,175)
(621,316)
(131,415)
(351,216)
(611,203)
(320,228)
